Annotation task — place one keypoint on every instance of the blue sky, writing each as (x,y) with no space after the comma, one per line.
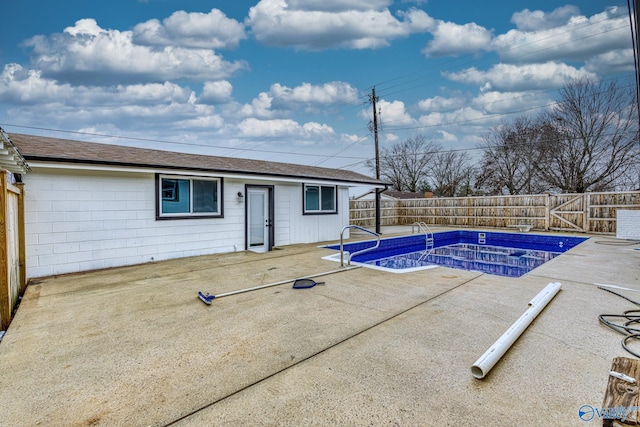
(288,80)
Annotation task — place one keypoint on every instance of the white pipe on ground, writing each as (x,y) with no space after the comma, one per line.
(483,365)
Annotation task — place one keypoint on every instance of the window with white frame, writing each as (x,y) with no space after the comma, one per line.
(320,199)
(186,196)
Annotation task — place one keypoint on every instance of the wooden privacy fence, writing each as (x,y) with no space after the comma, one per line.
(12,246)
(584,212)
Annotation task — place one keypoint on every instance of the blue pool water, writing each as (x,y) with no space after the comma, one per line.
(503,254)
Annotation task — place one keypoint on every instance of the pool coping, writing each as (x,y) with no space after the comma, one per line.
(463,238)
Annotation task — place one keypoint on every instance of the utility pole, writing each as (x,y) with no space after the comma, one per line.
(373,98)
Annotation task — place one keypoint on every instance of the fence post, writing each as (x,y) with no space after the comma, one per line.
(587,203)
(5,294)
(547,208)
(22,244)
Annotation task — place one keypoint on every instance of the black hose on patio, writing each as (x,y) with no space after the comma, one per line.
(632,316)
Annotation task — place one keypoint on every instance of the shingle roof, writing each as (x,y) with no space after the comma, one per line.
(40,148)
(403,194)
(10,158)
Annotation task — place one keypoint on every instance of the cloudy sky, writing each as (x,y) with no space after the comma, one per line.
(289,80)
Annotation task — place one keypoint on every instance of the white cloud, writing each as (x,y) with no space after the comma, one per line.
(508,77)
(282,100)
(446,136)
(351,138)
(391,137)
(204,122)
(282,128)
(580,38)
(536,20)
(337,5)
(438,103)
(37,99)
(313,128)
(259,107)
(390,115)
(493,102)
(464,124)
(452,39)
(334,26)
(461,115)
(393,114)
(211,30)
(216,92)
(614,61)
(87,53)
(152,93)
(313,95)
(21,86)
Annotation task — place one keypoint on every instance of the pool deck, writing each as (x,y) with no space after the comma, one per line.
(134,346)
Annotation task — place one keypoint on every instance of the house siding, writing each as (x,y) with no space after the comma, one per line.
(78,220)
(319,228)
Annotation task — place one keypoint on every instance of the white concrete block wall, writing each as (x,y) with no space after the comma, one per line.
(78,221)
(84,220)
(318,228)
(283,195)
(628,224)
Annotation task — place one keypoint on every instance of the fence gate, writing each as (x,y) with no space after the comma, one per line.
(12,247)
(568,212)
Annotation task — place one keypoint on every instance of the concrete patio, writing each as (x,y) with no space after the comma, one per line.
(134,346)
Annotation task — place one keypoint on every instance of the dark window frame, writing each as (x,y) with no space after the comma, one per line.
(319,211)
(160,194)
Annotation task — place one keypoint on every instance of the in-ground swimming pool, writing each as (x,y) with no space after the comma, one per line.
(503,254)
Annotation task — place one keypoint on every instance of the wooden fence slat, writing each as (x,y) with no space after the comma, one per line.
(22,244)
(12,247)
(5,294)
(587,212)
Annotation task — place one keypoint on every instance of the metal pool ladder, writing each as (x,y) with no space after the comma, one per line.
(357,252)
(428,236)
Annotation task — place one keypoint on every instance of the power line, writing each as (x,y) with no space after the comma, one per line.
(353,106)
(491,116)
(413,87)
(470,55)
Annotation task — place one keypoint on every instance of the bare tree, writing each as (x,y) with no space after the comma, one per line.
(450,173)
(590,140)
(510,159)
(405,164)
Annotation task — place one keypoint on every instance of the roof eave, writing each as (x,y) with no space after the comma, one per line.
(163,168)
(10,157)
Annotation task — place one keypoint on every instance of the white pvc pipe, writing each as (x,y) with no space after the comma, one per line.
(483,365)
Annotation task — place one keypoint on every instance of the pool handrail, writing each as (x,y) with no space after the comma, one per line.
(428,236)
(357,252)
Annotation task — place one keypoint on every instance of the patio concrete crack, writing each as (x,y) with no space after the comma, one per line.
(324,350)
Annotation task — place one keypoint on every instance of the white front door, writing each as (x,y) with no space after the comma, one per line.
(258,219)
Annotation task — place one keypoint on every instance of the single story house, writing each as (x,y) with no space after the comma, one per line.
(92,206)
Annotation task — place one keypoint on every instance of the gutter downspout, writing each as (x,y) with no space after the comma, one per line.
(378,191)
